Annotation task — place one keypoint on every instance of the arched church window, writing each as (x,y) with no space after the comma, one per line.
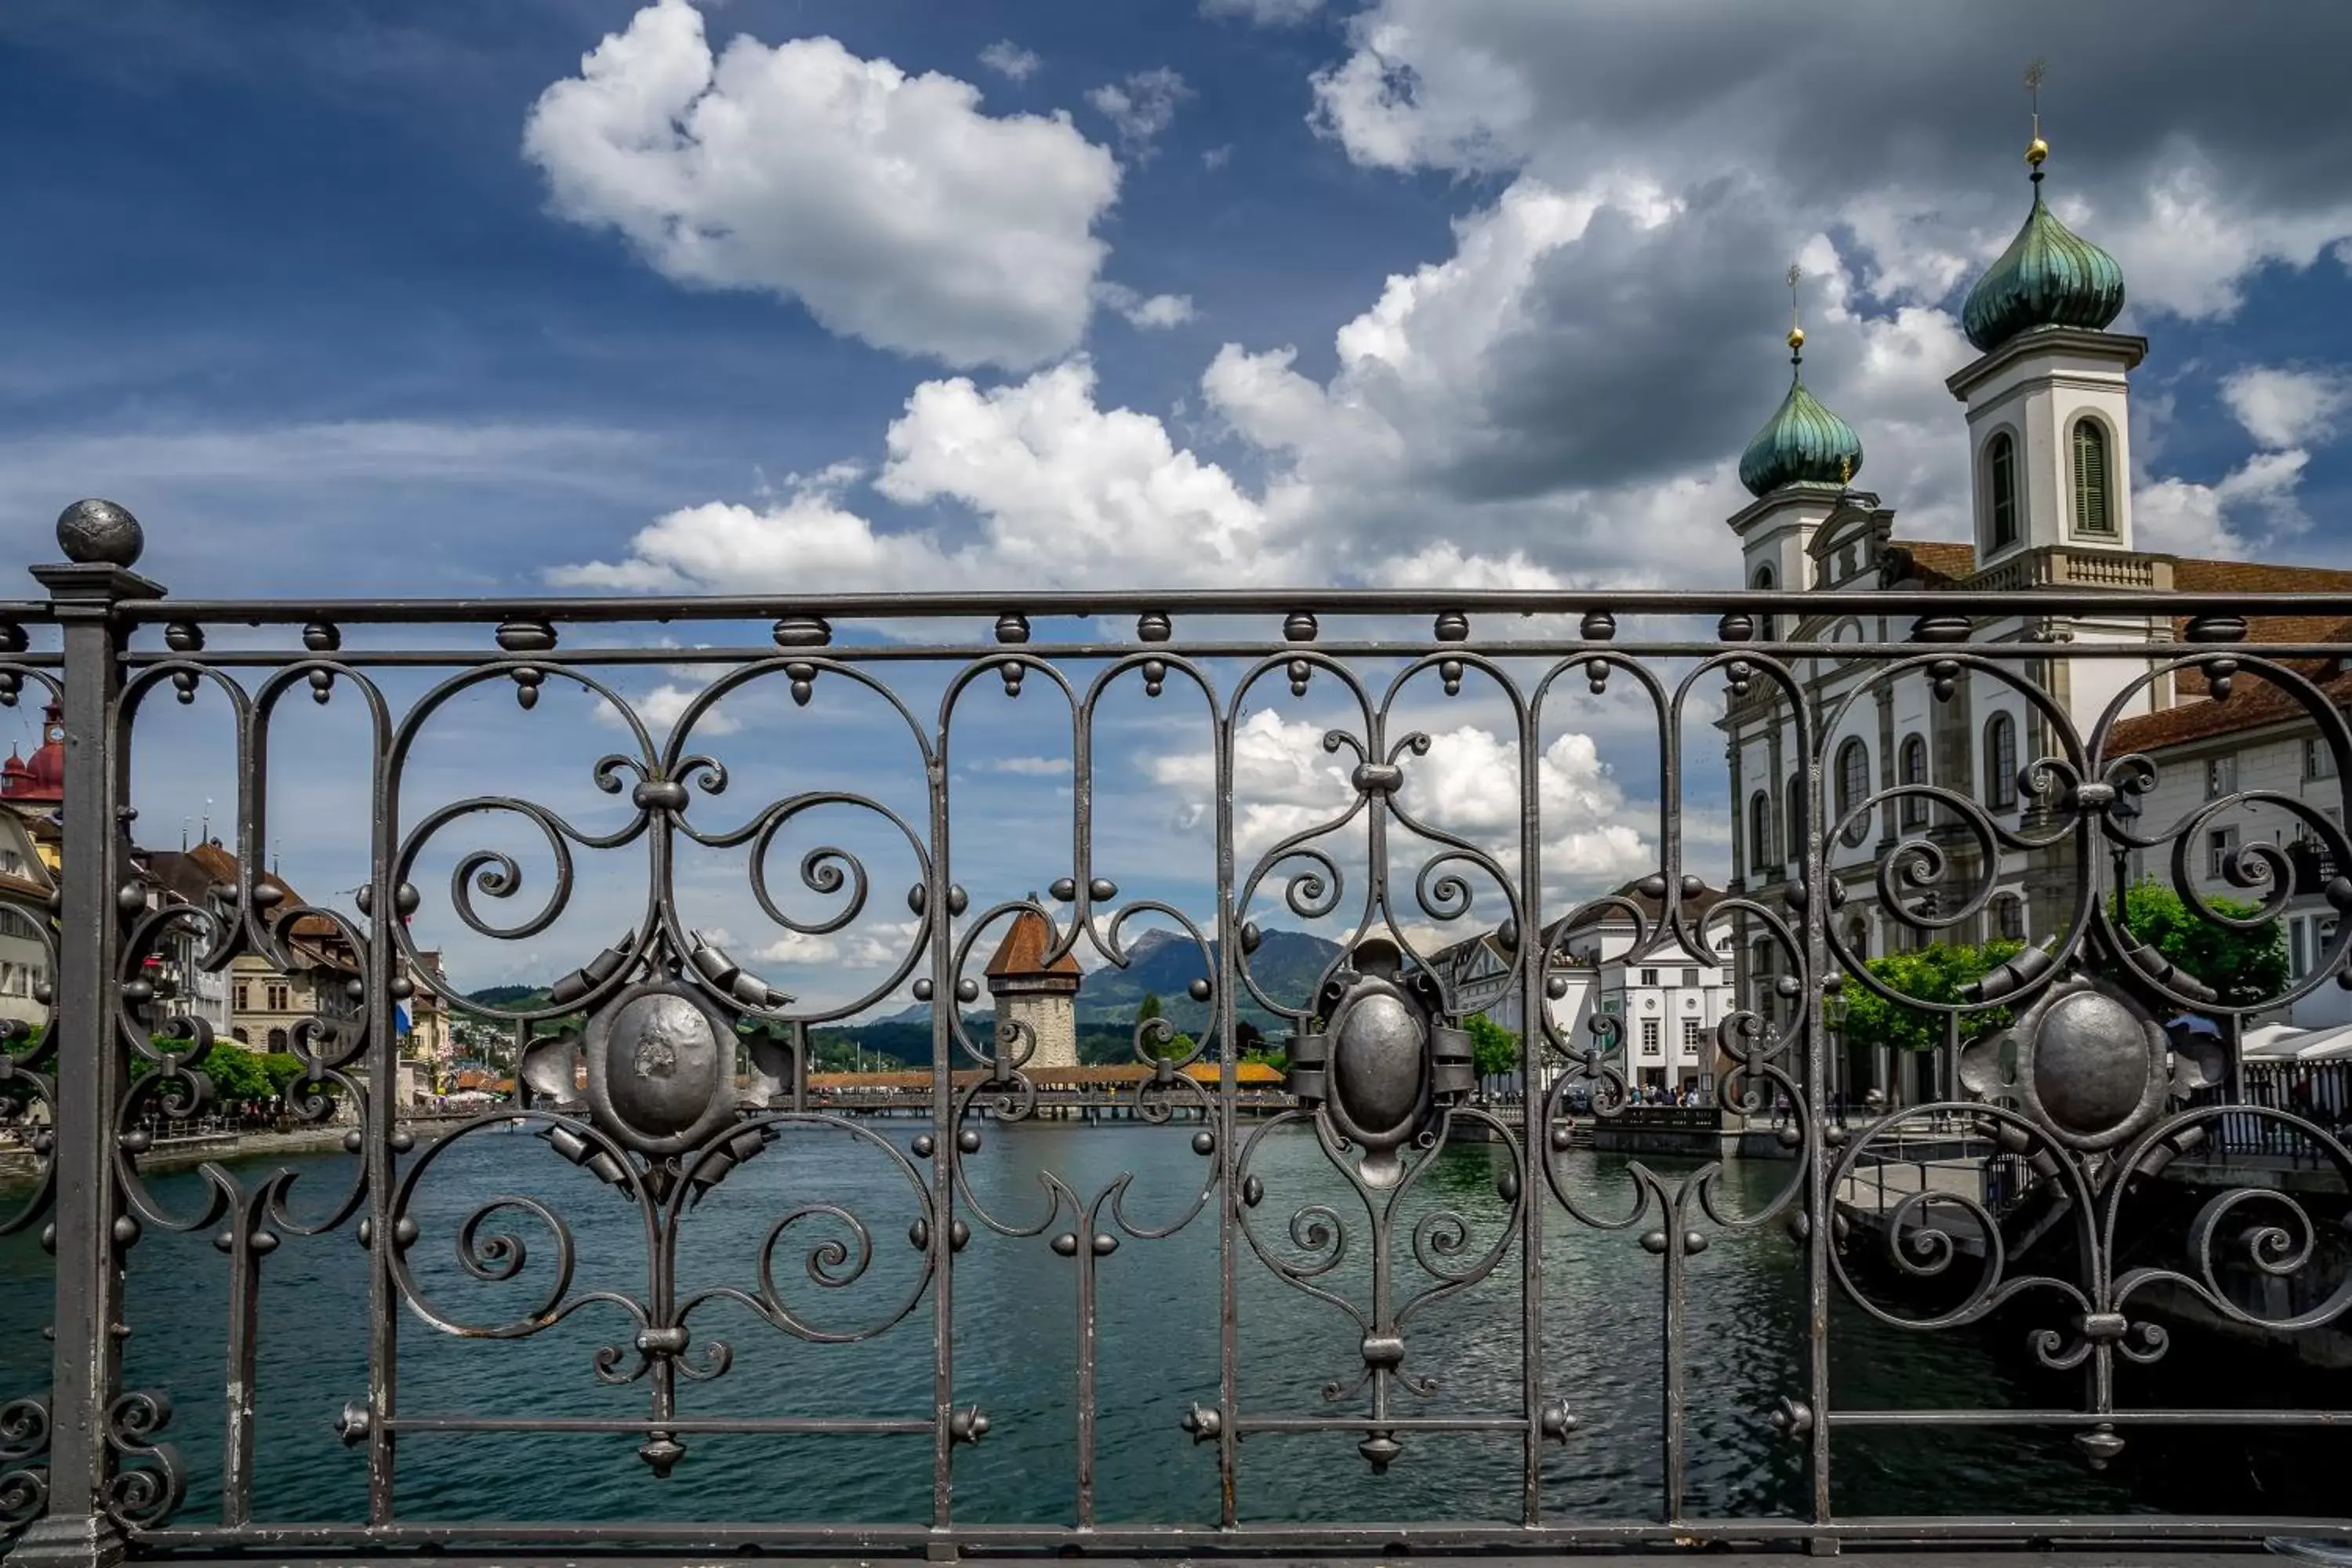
(1852,787)
(1915,772)
(2092,512)
(2000,488)
(1769,624)
(2000,761)
(1796,809)
(1759,835)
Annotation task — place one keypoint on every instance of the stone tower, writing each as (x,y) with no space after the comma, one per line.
(1032,991)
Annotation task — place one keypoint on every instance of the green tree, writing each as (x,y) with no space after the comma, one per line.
(2246,966)
(1932,973)
(1150,1008)
(1493,1048)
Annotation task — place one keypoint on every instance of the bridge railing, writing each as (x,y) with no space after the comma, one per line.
(972,812)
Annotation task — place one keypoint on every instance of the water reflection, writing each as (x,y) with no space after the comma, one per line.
(1014,1341)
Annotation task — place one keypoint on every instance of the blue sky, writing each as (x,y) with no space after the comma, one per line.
(775,294)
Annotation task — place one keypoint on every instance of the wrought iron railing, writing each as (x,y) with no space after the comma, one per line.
(666,1074)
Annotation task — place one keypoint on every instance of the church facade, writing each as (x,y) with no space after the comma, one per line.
(1905,758)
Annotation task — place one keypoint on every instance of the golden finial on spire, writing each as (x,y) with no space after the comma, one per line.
(2036,73)
(1846,470)
(1796,321)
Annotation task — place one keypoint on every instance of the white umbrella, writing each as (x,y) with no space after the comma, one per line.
(2273,1041)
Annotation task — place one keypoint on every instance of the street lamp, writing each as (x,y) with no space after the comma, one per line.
(2123,813)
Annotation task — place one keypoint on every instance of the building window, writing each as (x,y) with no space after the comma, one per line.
(2220,846)
(2001,480)
(2012,920)
(1915,772)
(2220,776)
(1690,979)
(1649,1042)
(2001,762)
(1761,861)
(1852,788)
(1768,623)
(276,1039)
(277,999)
(2318,758)
(2091,513)
(1690,1037)
(244,998)
(240,1036)
(1649,977)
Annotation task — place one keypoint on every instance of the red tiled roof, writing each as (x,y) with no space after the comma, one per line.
(2253,703)
(1021,954)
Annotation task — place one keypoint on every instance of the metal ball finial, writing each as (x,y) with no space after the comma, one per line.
(99,532)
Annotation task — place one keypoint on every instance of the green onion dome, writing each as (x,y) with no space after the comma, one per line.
(1803,442)
(2049,277)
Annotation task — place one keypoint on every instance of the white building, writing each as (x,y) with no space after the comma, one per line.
(25,959)
(2045,411)
(1668,998)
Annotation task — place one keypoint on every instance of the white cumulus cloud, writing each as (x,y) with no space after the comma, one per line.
(1009,60)
(888,203)
(1142,107)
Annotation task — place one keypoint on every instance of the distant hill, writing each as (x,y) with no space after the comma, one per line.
(513,998)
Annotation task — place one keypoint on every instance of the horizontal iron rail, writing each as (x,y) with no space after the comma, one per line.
(1236,601)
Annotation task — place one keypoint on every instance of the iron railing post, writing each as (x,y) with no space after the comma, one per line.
(102,543)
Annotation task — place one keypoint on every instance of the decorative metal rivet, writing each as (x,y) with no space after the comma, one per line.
(2216,628)
(1155,676)
(1944,628)
(1556,986)
(1205,1144)
(323,686)
(403,1233)
(402,988)
(1691,886)
(1694,1242)
(803,678)
(1012,671)
(1735,627)
(355,1141)
(2100,1444)
(661,1453)
(1561,1139)
(126,1230)
(968,1140)
(1652,886)
(1011,627)
(401,1141)
(1064,890)
(1203,1423)
(1790,1136)
(131,897)
(923,1145)
(527,682)
(967,1425)
(1598,625)
(1792,1418)
(1152,625)
(1102,890)
(958,1236)
(14,640)
(1300,672)
(923,989)
(1198,990)
(957,900)
(1253,1190)
(365,1233)
(180,636)
(919,899)
(525,637)
(1066,1245)
(1250,936)
(1654,1243)
(1105,1244)
(918,1235)
(352,1425)
(1450,672)
(1506,1185)
(322,637)
(1556,1420)
(1452,625)
(1299,626)
(967,991)
(803,631)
